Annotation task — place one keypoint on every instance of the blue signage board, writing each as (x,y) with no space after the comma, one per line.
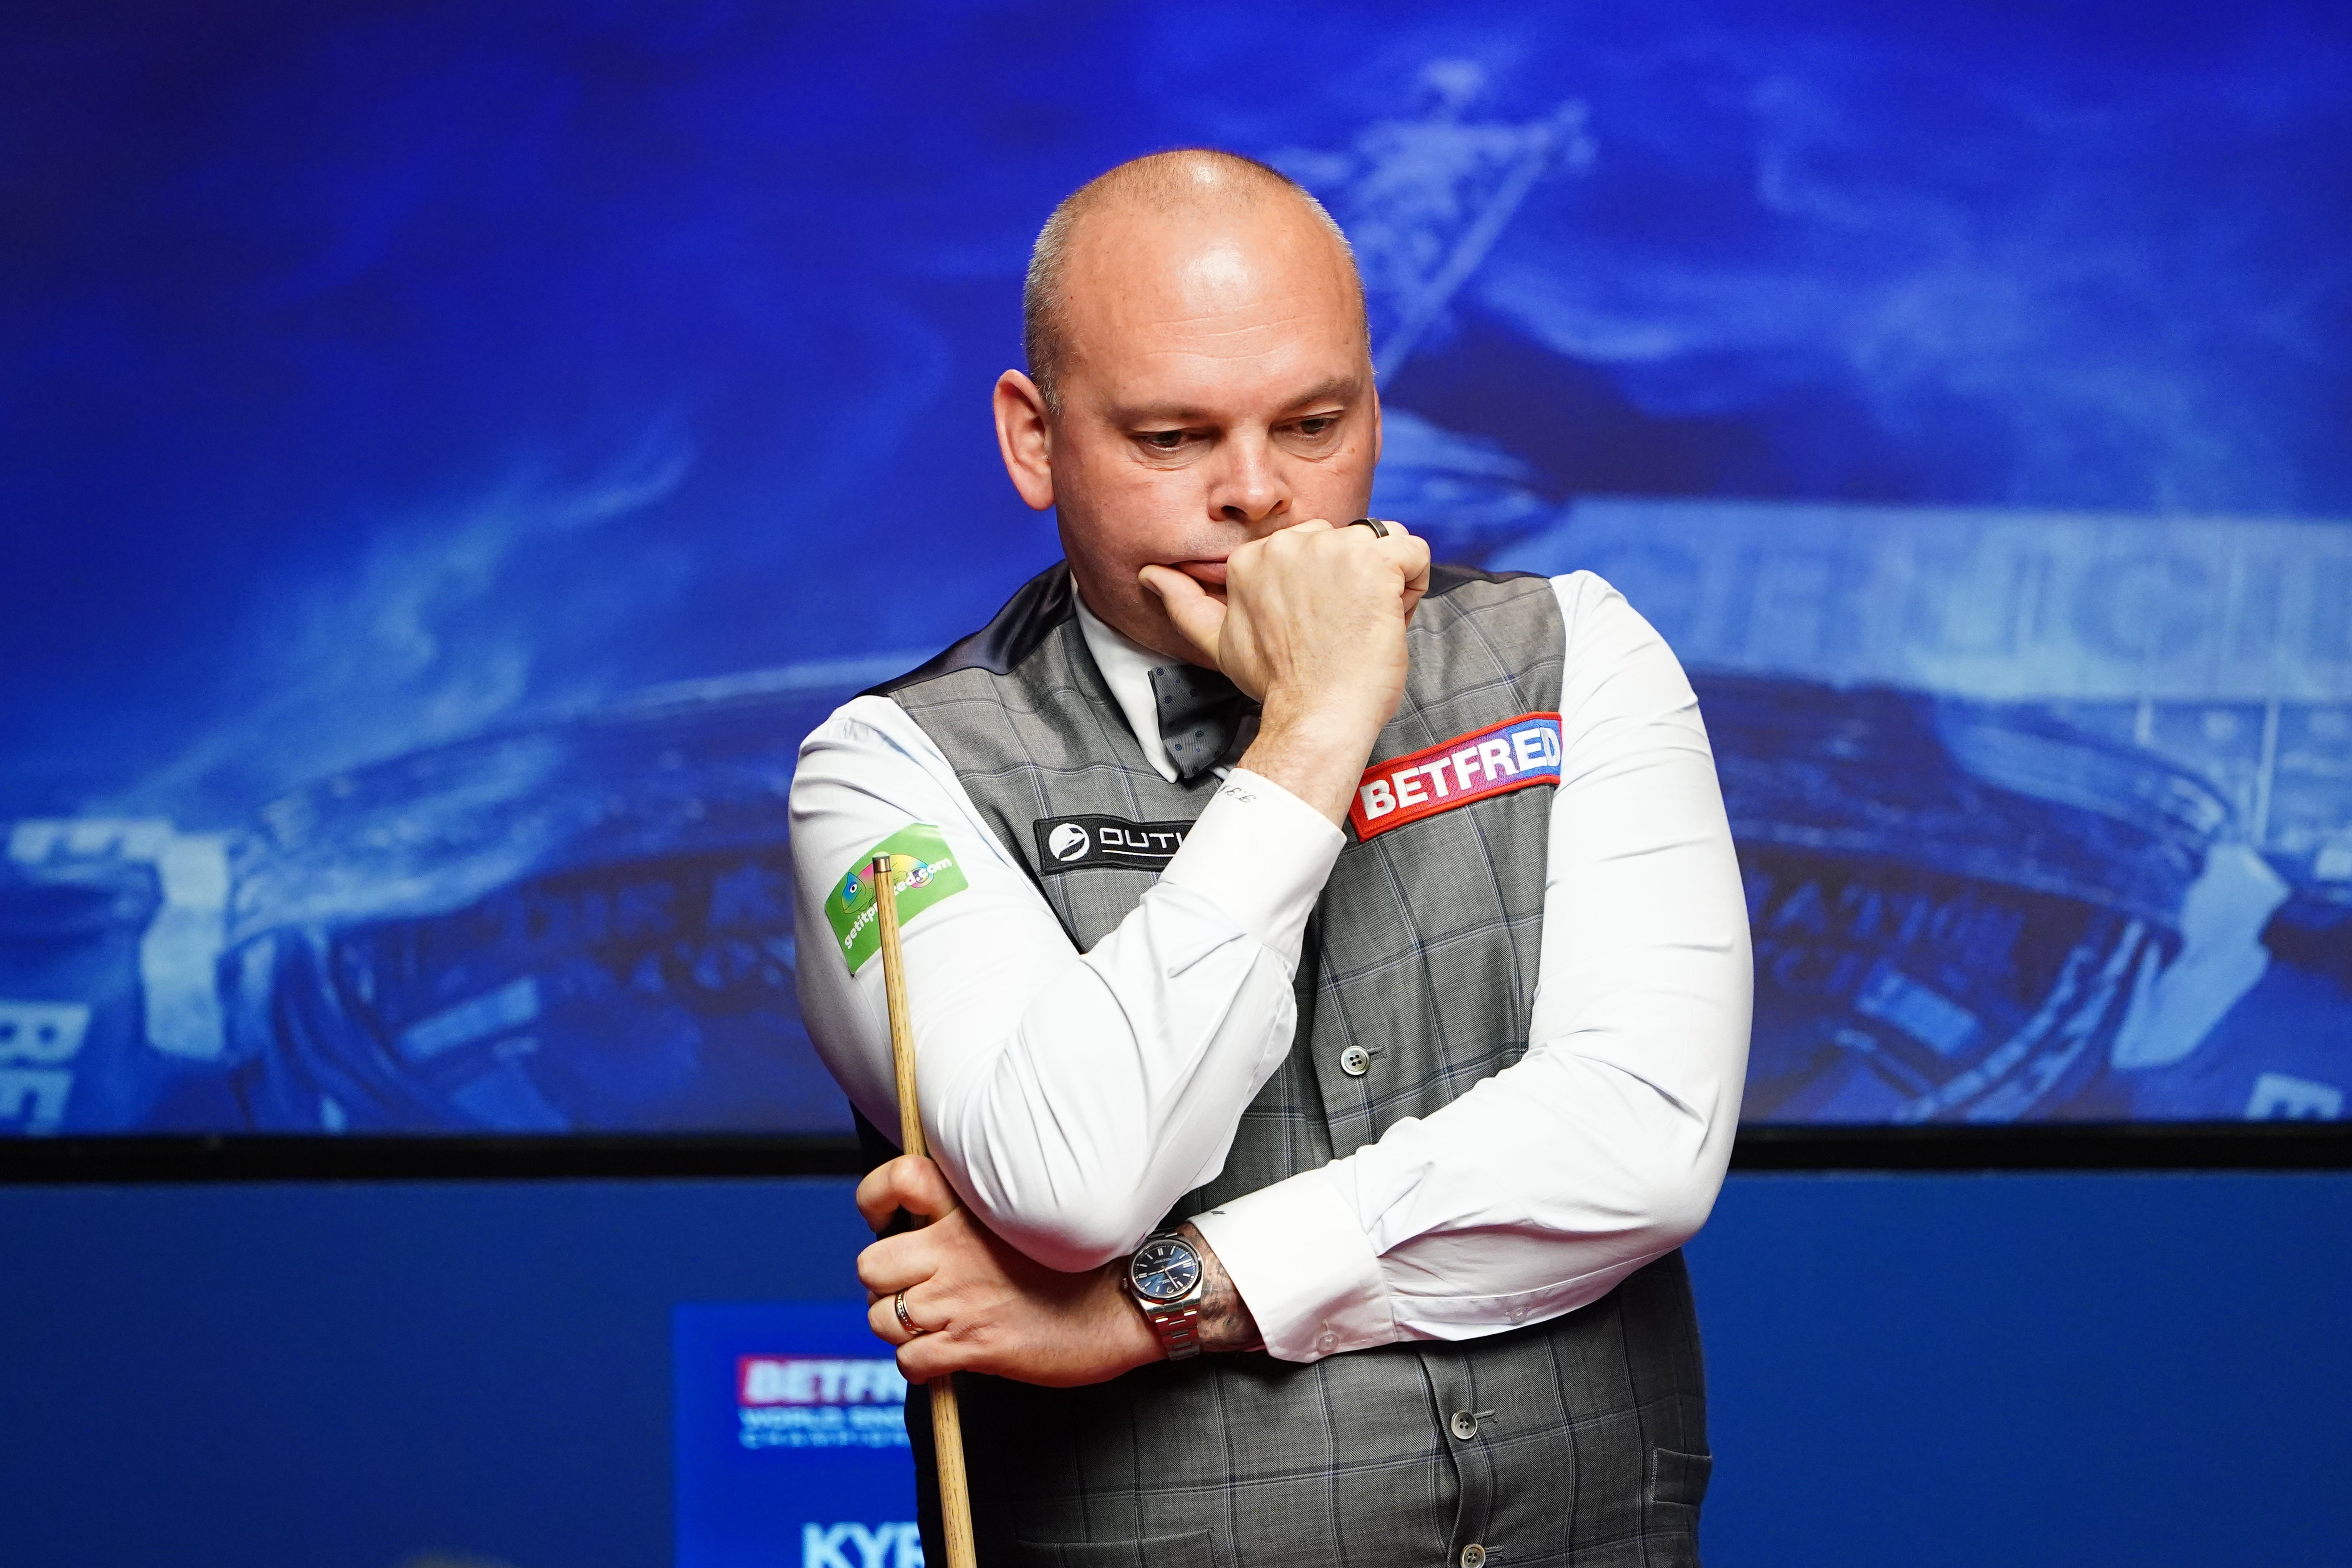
(789,1439)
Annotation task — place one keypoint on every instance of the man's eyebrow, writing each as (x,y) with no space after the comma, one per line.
(1159,414)
(1337,387)
(1167,413)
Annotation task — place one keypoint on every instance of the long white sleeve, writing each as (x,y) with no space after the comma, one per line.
(1603,1147)
(1071,1097)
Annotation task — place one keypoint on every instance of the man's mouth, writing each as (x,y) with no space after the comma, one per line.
(1208,574)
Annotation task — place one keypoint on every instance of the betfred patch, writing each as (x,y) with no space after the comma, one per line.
(849,908)
(1071,843)
(1514,754)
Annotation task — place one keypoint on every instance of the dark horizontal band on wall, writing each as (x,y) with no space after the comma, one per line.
(2050,1146)
(2174,1146)
(317,1158)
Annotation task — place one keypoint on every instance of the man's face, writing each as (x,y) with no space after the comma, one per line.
(1215,387)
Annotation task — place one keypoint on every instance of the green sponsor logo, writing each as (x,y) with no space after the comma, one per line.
(849,908)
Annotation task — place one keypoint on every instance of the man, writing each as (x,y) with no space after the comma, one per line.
(1355,945)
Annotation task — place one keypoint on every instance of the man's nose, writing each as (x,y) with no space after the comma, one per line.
(1248,487)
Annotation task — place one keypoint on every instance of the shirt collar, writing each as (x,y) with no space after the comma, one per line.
(1127,666)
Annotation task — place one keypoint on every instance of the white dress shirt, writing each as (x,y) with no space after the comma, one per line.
(1072,1098)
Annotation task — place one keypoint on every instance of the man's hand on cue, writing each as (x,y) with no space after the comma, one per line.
(1312,625)
(983,1306)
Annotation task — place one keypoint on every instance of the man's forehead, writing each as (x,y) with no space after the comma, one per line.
(1202,256)
(1169,298)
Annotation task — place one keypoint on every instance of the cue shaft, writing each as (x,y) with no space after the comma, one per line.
(947,1420)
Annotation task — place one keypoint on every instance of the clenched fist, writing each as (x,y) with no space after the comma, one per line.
(1312,625)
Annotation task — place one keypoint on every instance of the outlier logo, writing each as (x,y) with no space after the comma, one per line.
(1068,842)
(1514,754)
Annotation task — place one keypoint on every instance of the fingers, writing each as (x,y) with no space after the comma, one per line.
(909,1183)
(1400,548)
(1407,551)
(1415,559)
(908,1267)
(933,1355)
(912,1260)
(877,1197)
(1199,618)
(1412,551)
(922,1355)
(1410,556)
(896,1263)
(882,1318)
(905,1268)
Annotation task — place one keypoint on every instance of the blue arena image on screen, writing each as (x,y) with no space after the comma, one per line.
(453,457)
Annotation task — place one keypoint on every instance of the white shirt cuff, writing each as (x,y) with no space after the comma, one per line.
(1302,1262)
(1261,855)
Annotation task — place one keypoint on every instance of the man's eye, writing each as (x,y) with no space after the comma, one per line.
(1163,440)
(1318,424)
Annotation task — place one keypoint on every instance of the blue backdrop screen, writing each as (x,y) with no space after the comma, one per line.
(452,455)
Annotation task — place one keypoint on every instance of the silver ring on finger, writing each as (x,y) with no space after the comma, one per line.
(898,1305)
(1379,529)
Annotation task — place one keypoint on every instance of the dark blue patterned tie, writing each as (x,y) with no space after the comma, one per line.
(1200,714)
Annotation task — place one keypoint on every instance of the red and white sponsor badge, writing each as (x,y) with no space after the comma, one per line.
(1502,757)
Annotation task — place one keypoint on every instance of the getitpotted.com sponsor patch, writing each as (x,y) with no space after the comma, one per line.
(849,908)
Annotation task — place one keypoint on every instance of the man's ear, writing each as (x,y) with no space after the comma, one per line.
(1024,436)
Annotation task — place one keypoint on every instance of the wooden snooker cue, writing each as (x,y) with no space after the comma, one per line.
(947,1421)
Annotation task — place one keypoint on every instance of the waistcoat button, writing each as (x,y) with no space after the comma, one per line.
(1464,1425)
(1474,1556)
(1355,1062)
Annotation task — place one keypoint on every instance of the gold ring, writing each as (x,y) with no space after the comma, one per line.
(898,1305)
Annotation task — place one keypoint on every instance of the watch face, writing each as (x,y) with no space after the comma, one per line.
(1164,1269)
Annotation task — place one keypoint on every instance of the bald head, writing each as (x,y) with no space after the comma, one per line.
(1189,189)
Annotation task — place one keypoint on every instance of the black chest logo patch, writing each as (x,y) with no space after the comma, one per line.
(1072,843)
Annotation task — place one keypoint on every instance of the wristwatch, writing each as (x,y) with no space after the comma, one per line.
(1165,1279)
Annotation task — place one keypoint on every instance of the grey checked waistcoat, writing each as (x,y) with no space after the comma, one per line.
(1586,1438)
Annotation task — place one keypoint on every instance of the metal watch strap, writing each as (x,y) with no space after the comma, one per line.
(1179,1328)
